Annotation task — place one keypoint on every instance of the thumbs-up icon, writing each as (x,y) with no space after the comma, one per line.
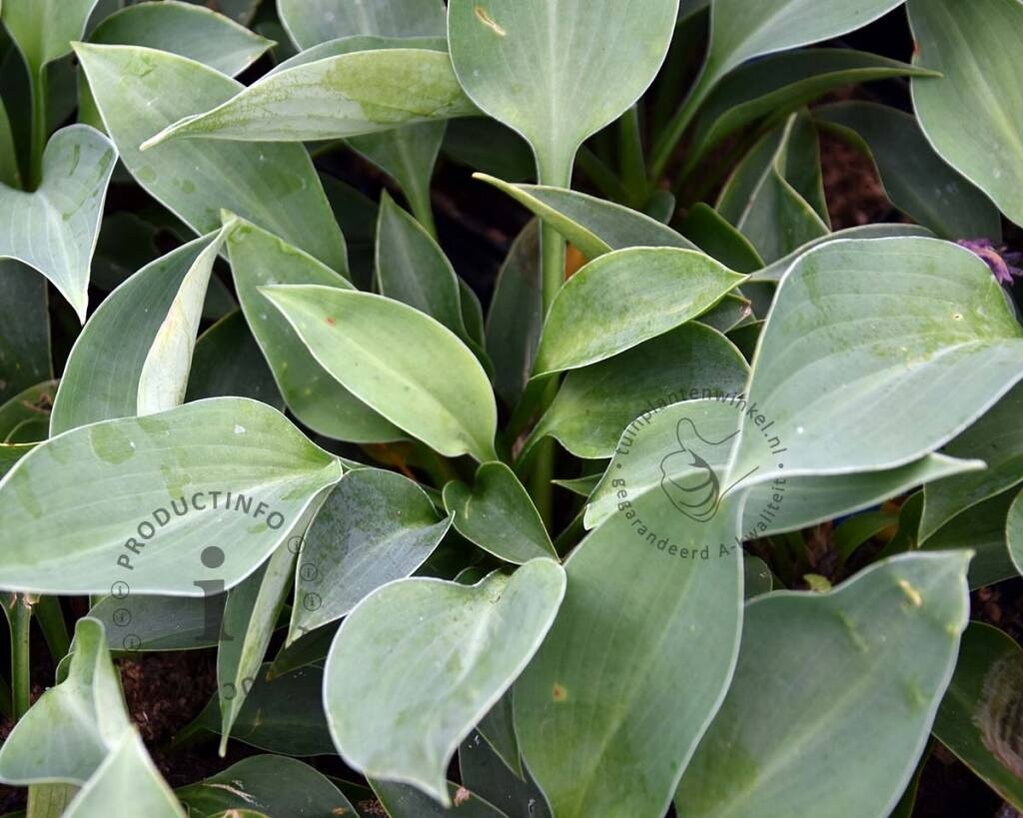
(687,477)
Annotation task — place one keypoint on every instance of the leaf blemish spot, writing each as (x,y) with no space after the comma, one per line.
(331,321)
(489,22)
(912,594)
(559,694)
(461,796)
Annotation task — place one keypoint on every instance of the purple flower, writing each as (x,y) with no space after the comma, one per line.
(1002,264)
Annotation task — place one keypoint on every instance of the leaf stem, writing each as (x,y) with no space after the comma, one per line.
(39,127)
(631,159)
(676,128)
(19,613)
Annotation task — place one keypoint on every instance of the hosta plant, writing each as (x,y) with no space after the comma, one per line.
(499,409)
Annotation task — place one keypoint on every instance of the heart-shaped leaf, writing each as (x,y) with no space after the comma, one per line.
(148,495)
(341,96)
(375,527)
(310,22)
(54,229)
(387,353)
(433,657)
(560,70)
(498,515)
(625,298)
(971,113)
(140,90)
(887,640)
(844,398)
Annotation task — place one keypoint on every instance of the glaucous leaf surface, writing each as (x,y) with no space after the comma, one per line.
(141,90)
(888,640)
(983,529)
(126,776)
(877,352)
(975,720)
(497,514)
(412,268)
(775,271)
(916,179)
(377,526)
(625,298)
(996,439)
(44,29)
(54,229)
(603,683)
(250,614)
(138,623)
(515,319)
(783,83)
(596,403)
(341,96)
(594,226)
(258,259)
(73,726)
(100,520)
(388,355)
(25,343)
(557,71)
(190,30)
(310,22)
(972,113)
(434,657)
(740,32)
(103,374)
(163,380)
(272,784)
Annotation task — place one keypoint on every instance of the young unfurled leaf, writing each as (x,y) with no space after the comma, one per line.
(259,258)
(775,196)
(995,438)
(604,682)
(432,657)
(916,179)
(977,719)
(375,527)
(388,355)
(972,113)
(74,726)
(310,22)
(600,57)
(844,398)
(596,403)
(148,498)
(104,373)
(887,640)
(54,229)
(163,380)
(498,515)
(341,96)
(594,226)
(141,90)
(625,298)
